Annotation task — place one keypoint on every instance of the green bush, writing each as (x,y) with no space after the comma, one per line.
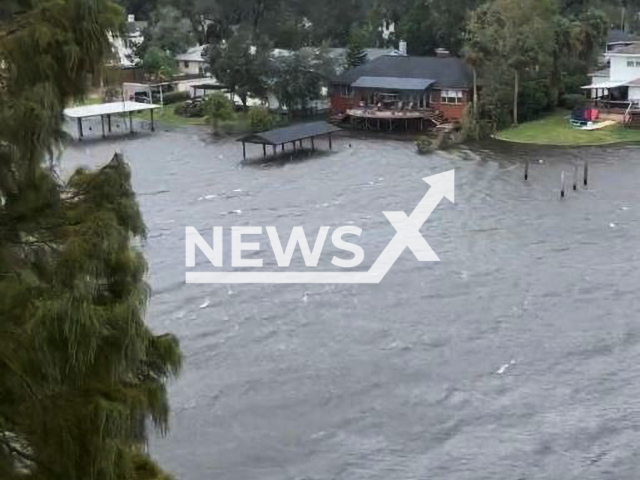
(260,119)
(572,100)
(190,109)
(424,145)
(175,97)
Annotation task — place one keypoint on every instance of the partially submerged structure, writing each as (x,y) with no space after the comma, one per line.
(402,91)
(294,135)
(105,111)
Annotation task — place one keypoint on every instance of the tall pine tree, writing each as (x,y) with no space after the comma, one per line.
(356,54)
(80,373)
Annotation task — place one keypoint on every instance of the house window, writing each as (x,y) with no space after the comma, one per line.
(186,64)
(346,91)
(451,97)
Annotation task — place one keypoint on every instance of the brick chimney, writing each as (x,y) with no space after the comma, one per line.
(442,53)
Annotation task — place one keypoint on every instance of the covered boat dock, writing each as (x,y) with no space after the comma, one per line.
(103,110)
(294,135)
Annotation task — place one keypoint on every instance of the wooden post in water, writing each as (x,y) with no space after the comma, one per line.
(562,185)
(526,170)
(274,150)
(586,173)
(575,178)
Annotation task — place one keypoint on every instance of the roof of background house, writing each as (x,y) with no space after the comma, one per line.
(616,36)
(633,49)
(194,54)
(448,72)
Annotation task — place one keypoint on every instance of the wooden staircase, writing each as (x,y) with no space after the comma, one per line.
(632,119)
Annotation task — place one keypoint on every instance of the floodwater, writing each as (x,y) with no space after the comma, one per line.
(515,357)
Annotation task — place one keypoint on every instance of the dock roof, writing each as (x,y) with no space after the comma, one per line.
(280,136)
(107,109)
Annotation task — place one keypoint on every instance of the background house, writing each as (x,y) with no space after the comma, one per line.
(191,62)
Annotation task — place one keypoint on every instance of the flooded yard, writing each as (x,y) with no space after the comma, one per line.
(515,357)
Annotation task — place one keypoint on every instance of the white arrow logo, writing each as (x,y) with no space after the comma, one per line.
(407,235)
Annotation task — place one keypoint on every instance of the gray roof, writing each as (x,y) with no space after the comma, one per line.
(633,49)
(300,131)
(619,36)
(393,83)
(446,72)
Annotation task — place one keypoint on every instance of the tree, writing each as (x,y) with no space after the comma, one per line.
(170,31)
(517,34)
(241,65)
(158,64)
(296,80)
(218,108)
(80,372)
(356,54)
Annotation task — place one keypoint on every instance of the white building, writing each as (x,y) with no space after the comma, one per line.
(621,82)
(191,62)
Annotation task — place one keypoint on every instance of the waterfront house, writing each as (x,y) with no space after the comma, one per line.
(403,91)
(617,89)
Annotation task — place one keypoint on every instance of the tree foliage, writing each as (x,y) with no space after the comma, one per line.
(297,79)
(218,108)
(241,65)
(80,373)
(356,54)
(158,64)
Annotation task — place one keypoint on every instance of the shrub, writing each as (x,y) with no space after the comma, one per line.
(443,141)
(218,108)
(190,109)
(175,97)
(260,119)
(572,101)
(424,145)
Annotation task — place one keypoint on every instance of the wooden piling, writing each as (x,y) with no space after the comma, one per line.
(586,173)
(575,178)
(526,170)
(562,185)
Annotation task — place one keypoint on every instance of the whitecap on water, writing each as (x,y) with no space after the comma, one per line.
(505,367)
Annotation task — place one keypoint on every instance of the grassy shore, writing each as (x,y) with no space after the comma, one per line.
(167,116)
(555,129)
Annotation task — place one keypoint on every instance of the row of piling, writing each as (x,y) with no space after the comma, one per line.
(576,170)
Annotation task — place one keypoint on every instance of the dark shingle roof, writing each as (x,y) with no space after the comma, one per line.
(616,36)
(448,72)
(280,136)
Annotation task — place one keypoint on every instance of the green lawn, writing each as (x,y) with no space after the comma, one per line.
(237,125)
(555,129)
